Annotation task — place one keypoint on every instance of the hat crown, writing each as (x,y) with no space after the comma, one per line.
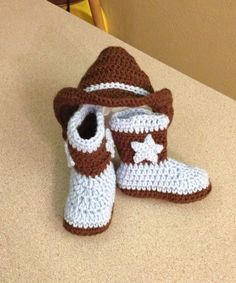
(115,65)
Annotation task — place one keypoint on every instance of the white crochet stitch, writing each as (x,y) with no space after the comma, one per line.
(169,176)
(138,120)
(110,147)
(86,145)
(117,85)
(146,150)
(70,161)
(90,200)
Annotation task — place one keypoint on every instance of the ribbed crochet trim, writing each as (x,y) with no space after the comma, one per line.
(138,121)
(117,85)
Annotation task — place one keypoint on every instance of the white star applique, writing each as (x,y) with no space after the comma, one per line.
(146,150)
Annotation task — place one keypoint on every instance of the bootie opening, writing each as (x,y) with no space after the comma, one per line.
(139,121)
(88,127)
(129,113)
(85,130)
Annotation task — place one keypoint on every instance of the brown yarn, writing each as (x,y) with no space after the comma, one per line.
(114,64)
(91,164)
(123,144)
(86,231)
(169,196)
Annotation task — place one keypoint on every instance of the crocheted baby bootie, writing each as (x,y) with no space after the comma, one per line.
(145,171)
(89,149)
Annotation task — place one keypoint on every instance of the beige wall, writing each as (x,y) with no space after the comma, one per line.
(197,37)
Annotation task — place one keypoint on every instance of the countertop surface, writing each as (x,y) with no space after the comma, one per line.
(43,49)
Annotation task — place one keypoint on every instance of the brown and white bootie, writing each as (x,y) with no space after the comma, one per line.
(89,149)
(145,171)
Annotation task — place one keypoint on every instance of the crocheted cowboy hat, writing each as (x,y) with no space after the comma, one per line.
(113,80)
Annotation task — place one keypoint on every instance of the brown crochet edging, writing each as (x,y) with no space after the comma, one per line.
(114,64)
(91,164)
(87,231)
(168,196)
(123,144)
(68,100)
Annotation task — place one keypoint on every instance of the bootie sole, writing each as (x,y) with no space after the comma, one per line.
(86,231)
(168,196)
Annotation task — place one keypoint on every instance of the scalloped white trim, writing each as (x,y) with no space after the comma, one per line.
(170,176)
(117,85)
(86,145)
(138,120)
(90,200)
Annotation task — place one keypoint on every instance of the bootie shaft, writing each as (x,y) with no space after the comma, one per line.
(132,127)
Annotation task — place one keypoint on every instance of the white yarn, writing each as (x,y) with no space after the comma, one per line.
(70,161)
(169,176)
(117,85)
(146,150)
(86,145)
(138,120)
(90,200)
(110,146)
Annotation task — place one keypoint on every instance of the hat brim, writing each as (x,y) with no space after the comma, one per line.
(69,99)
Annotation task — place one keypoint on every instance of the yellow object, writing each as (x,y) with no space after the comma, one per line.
(82,10)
